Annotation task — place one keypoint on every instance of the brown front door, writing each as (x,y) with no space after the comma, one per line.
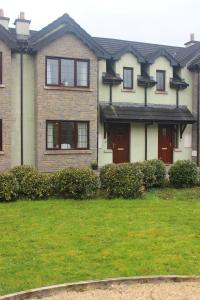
(165,143)
(118,141)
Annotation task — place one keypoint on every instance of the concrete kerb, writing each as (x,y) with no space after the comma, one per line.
(100,284)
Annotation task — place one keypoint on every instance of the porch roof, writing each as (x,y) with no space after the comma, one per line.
(121,112)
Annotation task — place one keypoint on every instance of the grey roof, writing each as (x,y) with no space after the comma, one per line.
(140,113)
(105,47)
(181,54)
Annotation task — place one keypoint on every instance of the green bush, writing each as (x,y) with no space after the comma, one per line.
(8,187)
(76,183)
(160,172)
(32,184)
(183,173)
(149,173)
(122,180)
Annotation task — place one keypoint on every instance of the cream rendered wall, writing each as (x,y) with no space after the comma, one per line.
(29,111)
(15,98)
(136,95)
(137,140)
(168,97)
(103,88)
(105,155)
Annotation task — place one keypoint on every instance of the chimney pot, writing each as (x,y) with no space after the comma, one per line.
(4,21)
(1,12)
(22,15)
(192,39)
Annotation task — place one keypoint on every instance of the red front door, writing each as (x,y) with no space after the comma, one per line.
(165,143)
(119,142)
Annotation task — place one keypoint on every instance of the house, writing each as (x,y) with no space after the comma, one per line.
(67,98)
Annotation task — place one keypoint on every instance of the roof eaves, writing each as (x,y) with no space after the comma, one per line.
(6,37)
(129,49)
(162,52)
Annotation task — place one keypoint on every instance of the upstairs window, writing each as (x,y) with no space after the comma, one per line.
(67,72)
(67,135)
(1,68)
(128,78)
(1,143)
(160,78)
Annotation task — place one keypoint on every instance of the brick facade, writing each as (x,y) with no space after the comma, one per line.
(5,107)
(65,104)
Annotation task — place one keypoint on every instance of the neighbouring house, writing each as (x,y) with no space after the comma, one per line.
(68,99)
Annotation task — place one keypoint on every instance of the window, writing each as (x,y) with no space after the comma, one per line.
(160,78)
(66,135)
(1,146)
(128,78)
(1,68)
(67,72)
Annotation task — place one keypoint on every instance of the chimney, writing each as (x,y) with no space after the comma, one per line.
(22,25)
(4,21)
(191,41)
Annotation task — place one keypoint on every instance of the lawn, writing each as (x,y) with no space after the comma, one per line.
(57,241)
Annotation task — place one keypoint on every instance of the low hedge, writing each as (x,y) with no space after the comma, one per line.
(76,183)
(31,183)
(122,180)
(8,187)
(160,172)
(183,173)
(149,173)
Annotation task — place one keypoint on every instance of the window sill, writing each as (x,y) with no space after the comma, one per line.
(64,88)
(67,152)
(2,153)
(128,91)
(2,86)
(177,150)
(161,92)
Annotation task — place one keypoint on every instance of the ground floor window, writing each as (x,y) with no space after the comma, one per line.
(1,146)
(66,135)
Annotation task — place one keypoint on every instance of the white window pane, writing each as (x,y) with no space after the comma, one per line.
(128,80)
(82,135)
(67,72)
(52,135)
(160,78)
(82,73)
(52,71)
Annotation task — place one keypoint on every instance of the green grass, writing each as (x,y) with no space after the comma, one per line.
(57,241)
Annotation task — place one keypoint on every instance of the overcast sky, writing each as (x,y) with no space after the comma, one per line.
(155,21)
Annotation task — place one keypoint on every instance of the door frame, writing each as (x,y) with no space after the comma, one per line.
(110,124)
(171,126)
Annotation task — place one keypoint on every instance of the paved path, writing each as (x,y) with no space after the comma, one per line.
(155,291)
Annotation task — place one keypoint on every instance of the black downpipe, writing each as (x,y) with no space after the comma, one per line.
(145,142)
(98,118)
(177,97)
(21,107)
(145,96)
(198,98)
(111,94)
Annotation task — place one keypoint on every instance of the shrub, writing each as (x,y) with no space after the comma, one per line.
(183,173)
(149,173)
(160,172)
(77,183)
(122,180)
(8,187)
(32,184)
